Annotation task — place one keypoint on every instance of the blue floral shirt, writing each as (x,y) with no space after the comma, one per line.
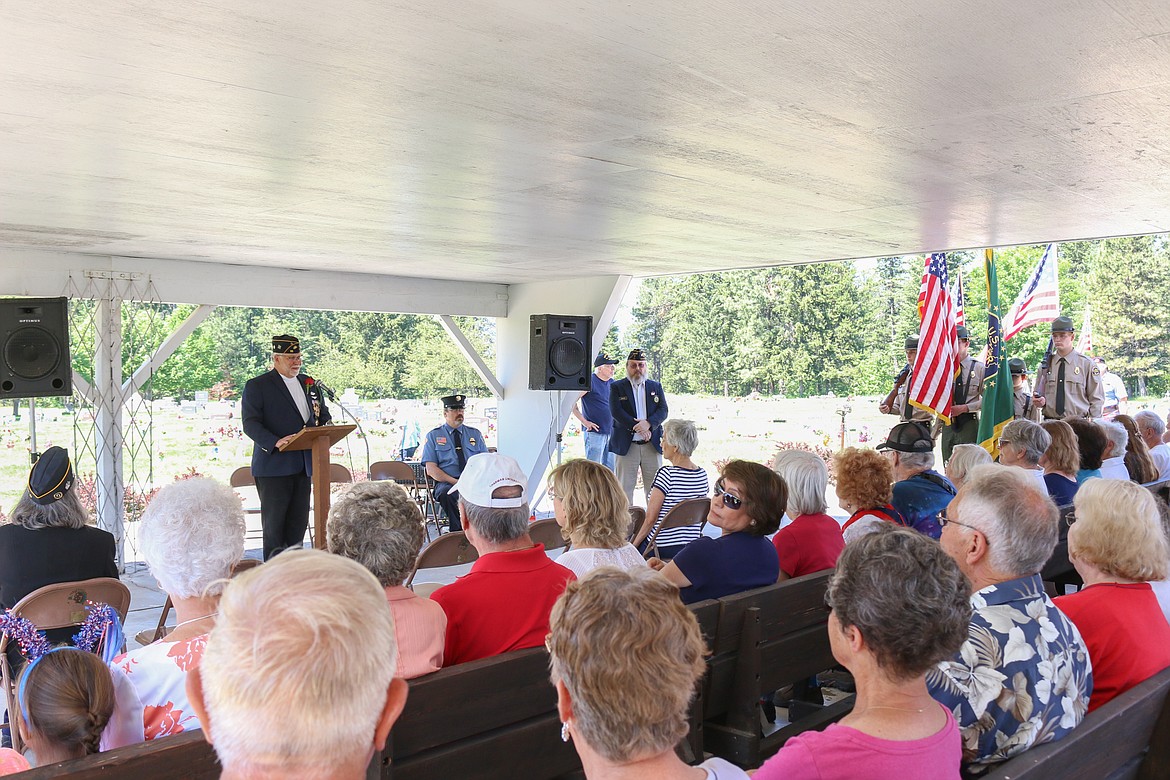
(1022,678)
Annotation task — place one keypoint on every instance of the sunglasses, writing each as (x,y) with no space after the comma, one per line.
(729,501)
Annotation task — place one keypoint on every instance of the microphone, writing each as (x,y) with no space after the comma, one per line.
(327,390)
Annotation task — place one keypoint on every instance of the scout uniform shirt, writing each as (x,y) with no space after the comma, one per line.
(1084,395)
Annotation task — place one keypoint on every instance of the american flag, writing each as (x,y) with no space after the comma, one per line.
(1039,301)
(934,366)
(957,297)
(1085,345)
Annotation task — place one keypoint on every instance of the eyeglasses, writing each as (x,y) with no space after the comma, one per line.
(943,521)
(729,501)
(1002,441)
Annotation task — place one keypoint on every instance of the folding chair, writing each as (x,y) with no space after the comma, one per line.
(450,549)
(146,636)
(684,513)
(244,484)
(548,533)
(637,517)
(401,472)
(61,605)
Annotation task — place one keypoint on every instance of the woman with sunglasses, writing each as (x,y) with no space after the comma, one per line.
(748,504)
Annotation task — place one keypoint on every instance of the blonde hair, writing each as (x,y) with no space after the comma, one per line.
(596,511)
(1063,454)
(296,670)
(1119,531)
(629,653)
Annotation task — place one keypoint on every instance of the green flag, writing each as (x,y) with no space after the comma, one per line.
(998,396)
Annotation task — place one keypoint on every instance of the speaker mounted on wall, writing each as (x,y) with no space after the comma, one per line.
(560,355)
(34,348)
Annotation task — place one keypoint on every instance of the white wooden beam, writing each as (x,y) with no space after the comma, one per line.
(472,354)
(82,387)
(166,349)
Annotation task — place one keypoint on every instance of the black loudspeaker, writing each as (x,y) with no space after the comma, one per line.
(34,347)
(559,354)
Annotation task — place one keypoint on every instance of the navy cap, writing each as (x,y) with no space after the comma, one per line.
(51,477)
(908,437)
(1062,325)
(286,345)
(1017,367)
(603,359)
(636,354)
(453,401)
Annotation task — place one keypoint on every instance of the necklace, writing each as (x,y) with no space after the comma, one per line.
(202,617)
(900,709)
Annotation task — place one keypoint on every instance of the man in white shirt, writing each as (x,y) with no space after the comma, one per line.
(1116,438)
(1151,427)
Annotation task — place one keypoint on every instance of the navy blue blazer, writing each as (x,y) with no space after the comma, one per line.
(270,414)
(621,406)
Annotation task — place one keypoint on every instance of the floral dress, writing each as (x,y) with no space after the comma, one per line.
(159,675)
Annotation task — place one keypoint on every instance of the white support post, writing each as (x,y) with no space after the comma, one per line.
(166,349)
(471,353)
(108,442)
(526,422)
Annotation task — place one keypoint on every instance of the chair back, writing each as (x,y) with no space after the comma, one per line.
(637,517)
(450,549)
(339,473)
(397,470)
(682,514)
(548,533)
(242,477)
(60,605)
(146,636)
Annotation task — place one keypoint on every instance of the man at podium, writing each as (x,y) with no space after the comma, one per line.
(276,406)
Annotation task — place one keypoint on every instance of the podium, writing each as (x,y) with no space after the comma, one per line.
(319,440)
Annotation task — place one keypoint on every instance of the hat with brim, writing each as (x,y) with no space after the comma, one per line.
(908,437)
(1017,367)
(1062,325)
(603,359)
(454,401)
(487,472)
(51,477)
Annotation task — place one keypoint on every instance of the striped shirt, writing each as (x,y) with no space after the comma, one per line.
(677,485)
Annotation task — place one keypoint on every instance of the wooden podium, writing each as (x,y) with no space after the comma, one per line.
(319,440)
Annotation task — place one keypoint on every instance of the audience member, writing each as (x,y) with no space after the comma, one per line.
(1113,462)
(899,606)
(503,603)
(380,526)
(1117,545)
(1138,462)
(1091,443)
(964,458)
(625,655)
(1061,462)
(48,538)
(1022,444)
(1151,428)
(1023,676)
(863,489)
(812,541)
(920,492)
(593,514)
(191,536)
(748,505)
(65,699)
(673,484)
(298,676)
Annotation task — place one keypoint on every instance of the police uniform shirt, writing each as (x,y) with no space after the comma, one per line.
(439,448)
(970,380)
(907,412)
(1024,406)
(1084,394)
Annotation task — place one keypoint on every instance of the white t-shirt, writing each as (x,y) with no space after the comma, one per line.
(1114,468)
(718,769)
(298,395)
(1161,458)
(586,559)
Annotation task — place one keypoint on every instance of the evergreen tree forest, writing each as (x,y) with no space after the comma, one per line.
(791,330)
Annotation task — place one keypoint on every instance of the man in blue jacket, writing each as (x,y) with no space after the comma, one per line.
(638,406)
(276,406)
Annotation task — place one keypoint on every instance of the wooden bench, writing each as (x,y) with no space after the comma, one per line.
(183,757)
(1126,739)
(765,639)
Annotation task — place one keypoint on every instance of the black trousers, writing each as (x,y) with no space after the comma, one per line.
(450,503)
(284,511)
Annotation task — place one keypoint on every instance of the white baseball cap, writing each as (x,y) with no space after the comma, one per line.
(487,471)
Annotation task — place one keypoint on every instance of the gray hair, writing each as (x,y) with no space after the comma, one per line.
(807,479)
(1018,518)
(191,535)
(1116,433)
(380,526)
(965,457)
(1028,436)
(917,461)
(682,435)
(905,595)
(296,670)
(66,513)
(497,525)
(1147,419)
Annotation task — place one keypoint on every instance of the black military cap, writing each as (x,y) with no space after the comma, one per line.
(1018,367)
(286,345)
(453,401)
(912,341)
(51,477)
(603,359)
(636,354)
(962,333)
(1062,325)
(908,437)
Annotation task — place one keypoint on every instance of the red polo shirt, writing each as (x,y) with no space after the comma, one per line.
(501,605)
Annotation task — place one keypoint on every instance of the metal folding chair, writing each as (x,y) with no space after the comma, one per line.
(450,549)
(684,513)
